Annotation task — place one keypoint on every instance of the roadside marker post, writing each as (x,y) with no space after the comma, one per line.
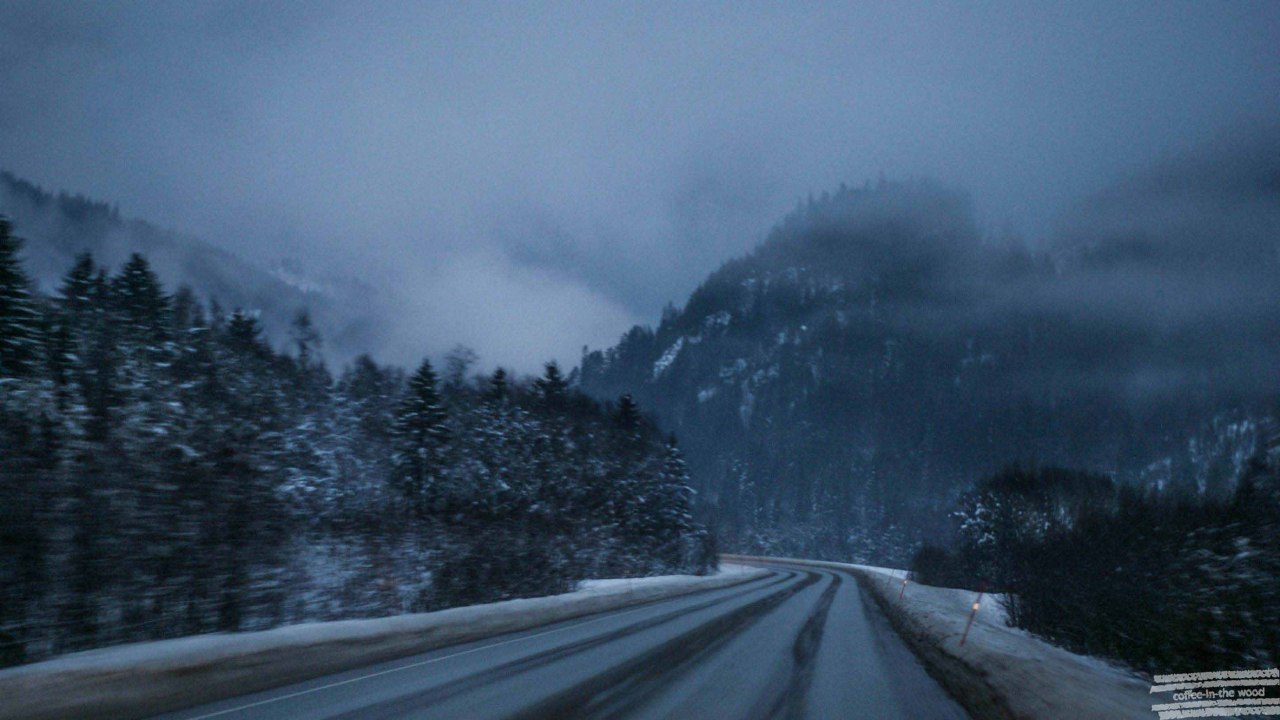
(982,587)
(903,590)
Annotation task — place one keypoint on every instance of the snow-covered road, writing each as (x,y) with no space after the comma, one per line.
(800,642)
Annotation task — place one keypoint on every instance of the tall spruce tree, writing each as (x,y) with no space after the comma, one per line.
(306,339)
(552,388)
(19,319)
(497,390)
(244,334)
(421,434)
(671,507)
(78,290)
(141,300)
(628,414)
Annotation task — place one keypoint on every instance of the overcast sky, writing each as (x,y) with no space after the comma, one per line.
(536,177)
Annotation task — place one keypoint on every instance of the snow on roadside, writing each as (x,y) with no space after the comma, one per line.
(1000,672)
(144,679)
(1031,678)
(891,572)
(597,585)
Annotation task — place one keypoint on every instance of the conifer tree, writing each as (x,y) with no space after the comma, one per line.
(420,437)
(19,320)
(141,300)
(628,414)
(671,508)
(497,391)
(552,387)
(306,338)
(78,285)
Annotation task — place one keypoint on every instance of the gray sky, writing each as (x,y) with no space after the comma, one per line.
(532,178)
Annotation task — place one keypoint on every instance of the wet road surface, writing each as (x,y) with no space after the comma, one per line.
(802,642)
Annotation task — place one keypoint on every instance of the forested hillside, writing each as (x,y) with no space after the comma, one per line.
(58,227)
(164,471)
(1164,581)
(837,387)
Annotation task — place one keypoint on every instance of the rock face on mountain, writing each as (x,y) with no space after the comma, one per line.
(837,387)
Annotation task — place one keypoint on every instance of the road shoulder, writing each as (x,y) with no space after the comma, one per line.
(145,679)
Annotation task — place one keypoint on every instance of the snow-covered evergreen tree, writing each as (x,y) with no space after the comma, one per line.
(19,320)
(421,436)
(165,471)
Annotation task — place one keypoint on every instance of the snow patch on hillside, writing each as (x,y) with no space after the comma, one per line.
(718,320)
(730,372)
(668,357)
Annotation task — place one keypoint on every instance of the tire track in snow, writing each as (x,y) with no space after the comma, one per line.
(804,652)
(628,686)
(401,706)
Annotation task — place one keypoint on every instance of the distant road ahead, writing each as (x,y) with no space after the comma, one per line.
(800,643)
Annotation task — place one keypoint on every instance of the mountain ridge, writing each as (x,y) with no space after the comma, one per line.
(57,227)
(836,387)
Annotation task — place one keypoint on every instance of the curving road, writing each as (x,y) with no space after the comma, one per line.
(800,643)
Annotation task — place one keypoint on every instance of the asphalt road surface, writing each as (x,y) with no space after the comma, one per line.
(800,643)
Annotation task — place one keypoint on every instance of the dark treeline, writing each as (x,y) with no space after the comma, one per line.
(1164,580)
(164,471)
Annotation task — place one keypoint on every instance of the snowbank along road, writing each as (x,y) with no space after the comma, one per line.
(801,642)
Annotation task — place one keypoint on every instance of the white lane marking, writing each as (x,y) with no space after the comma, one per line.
(388,671)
